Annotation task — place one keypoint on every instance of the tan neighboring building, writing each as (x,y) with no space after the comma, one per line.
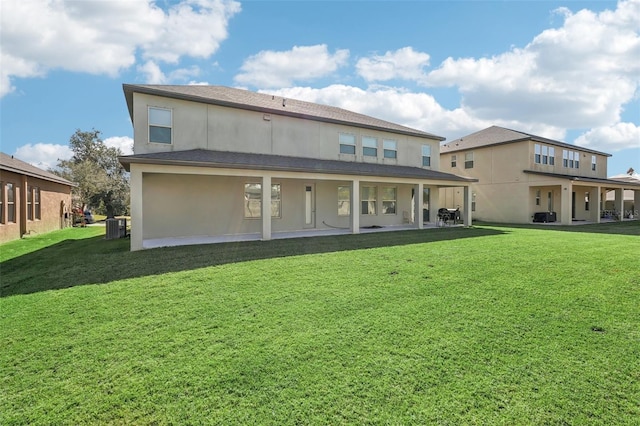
(32,200)
(204,154)
(524,178)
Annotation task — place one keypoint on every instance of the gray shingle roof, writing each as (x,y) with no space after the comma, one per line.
(10,164)
(245,99)
(249,161)
(495,135)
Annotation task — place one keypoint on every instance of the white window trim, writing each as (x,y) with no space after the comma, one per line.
(341,143)
(149,124)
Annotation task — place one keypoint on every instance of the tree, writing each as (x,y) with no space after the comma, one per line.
(103,184)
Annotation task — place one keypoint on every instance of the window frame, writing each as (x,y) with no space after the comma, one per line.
(426,156)
(2,203)
(552,156)
(389,203)
(275,201)
(159,125)
(36,203)
(371,202)
(30,203)
(593,163)
(389,152)
(11,202)
(344,203)
(468,160)
(538,195)
(369,146)
(537,154)
(454,160)
(345,144)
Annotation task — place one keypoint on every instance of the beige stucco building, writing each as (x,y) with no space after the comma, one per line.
(204,154)
(32,200)
(524,178)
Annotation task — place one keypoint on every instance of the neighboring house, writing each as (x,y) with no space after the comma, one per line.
(32,200)
(204,154)
(631,198)
(524,178)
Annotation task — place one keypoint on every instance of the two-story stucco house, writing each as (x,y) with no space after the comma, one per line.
(204,155)
(524,178)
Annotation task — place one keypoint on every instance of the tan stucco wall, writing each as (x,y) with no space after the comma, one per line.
(203,126)
(51,196)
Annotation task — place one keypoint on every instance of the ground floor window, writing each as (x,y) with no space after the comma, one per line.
(473,202)
(369,200)
(344,201)
(11,203)
(253,200)
(389,200)
(586,201)
(30,203)
(538,197)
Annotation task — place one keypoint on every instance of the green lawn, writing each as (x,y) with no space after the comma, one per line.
(489,325)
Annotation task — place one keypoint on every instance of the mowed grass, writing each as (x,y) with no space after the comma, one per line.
(488,325)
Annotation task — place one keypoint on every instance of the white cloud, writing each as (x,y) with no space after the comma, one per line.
(152,73)
(302,63)
(123,143)
(102,37)
(43,155)
(612,138)
(404,63)
(576,76)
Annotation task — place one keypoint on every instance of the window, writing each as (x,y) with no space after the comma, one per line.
(347,143)
(29,203)
(538,197)
(536,155)
(545,154)
(577,158)
(369,147)
(571,159)
(11,203)
(593,163)
(160,125)
(454,161)
(426,155)
(253,200)
(565,158)
(369,199)
(389,200)
(344,201)
(390,148)
(36,202)
(552,156)
(550,201)
(468,160)
(1,202)
(473,202)
(586,201)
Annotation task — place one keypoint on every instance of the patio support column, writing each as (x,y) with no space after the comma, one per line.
(467,206)
(418,214)
(635,210)
(619,203)
(136,234)
(354,219)
(266,208)
(596,196)
(565,203)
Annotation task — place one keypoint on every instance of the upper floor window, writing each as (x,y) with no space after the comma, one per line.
(552,156)
(454,161)
(468,160)
(390,148)
(253,200)
(426,155)
(593,163)
(570,159)
(347,143)
(544,154)
(369,146)
(536,155)
(344,201)
(160,125)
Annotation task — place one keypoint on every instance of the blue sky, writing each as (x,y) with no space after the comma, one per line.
(567,70)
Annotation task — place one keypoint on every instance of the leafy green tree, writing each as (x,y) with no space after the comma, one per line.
(103,184)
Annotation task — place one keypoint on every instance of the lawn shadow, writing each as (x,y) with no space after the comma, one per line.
(97,261)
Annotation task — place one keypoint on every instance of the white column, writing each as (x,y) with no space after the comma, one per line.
(619,203)
(135,182)
(355,206)
(565,203)
(467,206)
(596,196)
(266,208)
(419,189)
